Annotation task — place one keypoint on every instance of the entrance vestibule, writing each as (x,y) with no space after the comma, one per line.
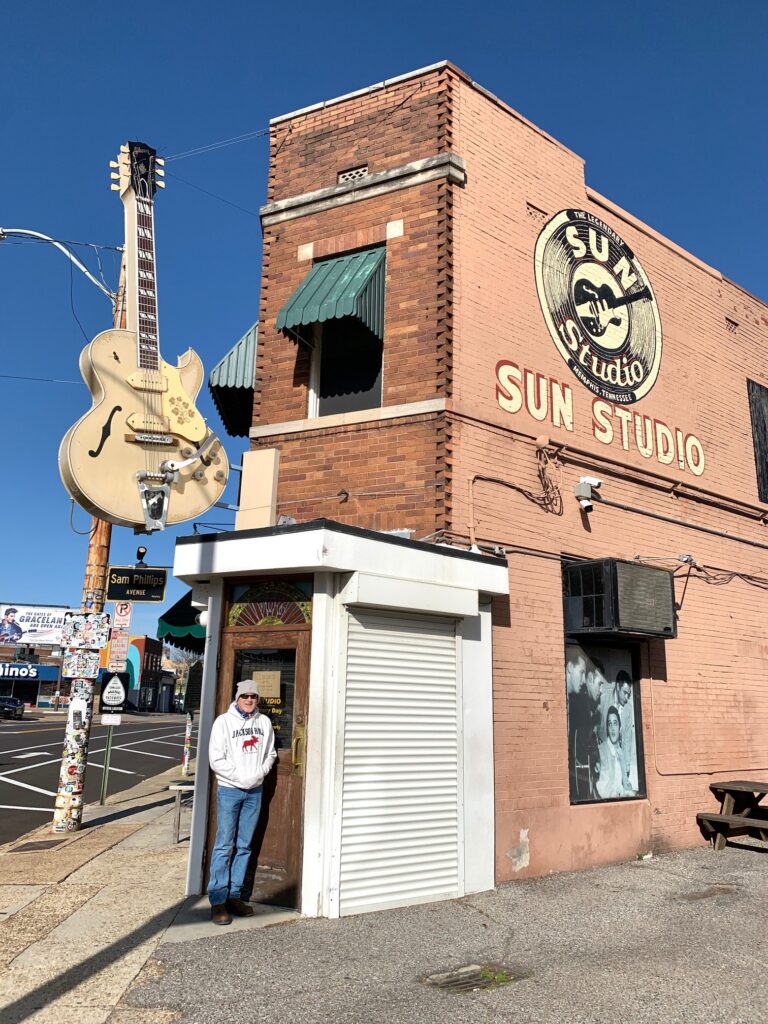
(378,684)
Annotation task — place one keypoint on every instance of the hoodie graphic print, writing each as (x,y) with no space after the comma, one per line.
(241,750)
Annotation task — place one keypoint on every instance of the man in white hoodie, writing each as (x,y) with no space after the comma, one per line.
(241,752)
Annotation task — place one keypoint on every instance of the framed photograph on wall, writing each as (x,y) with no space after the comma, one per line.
(605,750)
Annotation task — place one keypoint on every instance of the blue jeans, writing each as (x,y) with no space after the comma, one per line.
(237,813)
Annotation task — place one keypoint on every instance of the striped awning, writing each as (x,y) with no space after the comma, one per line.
(231,383)
(351,285)
(179,626)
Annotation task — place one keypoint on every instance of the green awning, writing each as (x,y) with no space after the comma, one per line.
(231,383)
(179,625)
(351,285)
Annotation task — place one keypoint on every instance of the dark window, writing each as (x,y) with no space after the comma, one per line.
(758,410)
(350,367)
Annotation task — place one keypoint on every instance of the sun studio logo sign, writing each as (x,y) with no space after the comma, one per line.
(598,306)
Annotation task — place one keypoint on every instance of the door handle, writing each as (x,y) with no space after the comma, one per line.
(297,749)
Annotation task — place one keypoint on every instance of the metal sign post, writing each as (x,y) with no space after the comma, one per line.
(112,703)
(105,772)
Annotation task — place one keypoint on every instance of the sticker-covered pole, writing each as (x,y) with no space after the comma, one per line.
(68,810)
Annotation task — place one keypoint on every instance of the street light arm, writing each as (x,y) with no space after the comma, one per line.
(5,232)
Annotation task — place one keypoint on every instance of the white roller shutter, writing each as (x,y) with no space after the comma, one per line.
(400,829)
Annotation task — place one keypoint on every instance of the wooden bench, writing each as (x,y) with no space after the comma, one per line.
(741,812)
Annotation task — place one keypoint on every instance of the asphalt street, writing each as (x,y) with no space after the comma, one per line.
(30,757)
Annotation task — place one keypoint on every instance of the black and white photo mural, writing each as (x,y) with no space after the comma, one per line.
(604,728)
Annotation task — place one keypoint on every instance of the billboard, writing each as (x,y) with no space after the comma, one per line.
(31,623)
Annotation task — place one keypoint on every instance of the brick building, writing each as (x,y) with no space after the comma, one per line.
(518,625)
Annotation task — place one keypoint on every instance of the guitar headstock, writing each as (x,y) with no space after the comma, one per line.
(137,167)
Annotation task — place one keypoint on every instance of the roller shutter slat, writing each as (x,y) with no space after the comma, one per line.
(400,810)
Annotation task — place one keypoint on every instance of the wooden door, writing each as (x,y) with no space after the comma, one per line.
(279,661)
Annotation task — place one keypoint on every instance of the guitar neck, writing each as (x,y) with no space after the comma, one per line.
(144,299)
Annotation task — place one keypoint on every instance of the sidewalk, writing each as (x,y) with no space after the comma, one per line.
(80,916)
(96,929)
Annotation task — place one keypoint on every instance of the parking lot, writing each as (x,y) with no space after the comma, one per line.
(30,756)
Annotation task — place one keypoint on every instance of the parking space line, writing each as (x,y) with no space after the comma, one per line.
(132,732)
(26,785)
(149,753)
(15,807)
(123,771)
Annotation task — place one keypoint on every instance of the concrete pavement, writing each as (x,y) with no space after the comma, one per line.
(97,930)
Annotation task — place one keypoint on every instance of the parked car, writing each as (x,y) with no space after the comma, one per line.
(11,707)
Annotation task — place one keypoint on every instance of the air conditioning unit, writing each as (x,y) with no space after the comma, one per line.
(611,597)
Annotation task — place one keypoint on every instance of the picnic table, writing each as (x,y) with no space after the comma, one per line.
(180,788)
(741,812)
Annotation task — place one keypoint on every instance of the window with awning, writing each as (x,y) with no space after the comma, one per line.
(338,311)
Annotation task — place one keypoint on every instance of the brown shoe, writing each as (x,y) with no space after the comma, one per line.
(239,908)
(220,915)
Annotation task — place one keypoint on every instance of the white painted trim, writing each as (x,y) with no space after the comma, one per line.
(461,794)
(333,902)
(318,768)
(207,714)
(388,412)
(323,549)
(477,723)
(368,590)
(313,389)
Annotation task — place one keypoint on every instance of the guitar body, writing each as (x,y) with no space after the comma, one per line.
(139,419)
(142,456)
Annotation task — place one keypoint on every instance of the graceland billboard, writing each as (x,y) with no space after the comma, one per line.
(31,624)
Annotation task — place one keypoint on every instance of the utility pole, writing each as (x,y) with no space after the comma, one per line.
(68,809)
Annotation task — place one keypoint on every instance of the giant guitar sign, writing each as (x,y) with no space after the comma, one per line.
(142,456)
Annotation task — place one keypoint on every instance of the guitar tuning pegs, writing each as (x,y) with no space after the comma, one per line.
(114,176)
(160,172)
(160,161)
(160,184)
(124,148)
(114,163)
(115,188)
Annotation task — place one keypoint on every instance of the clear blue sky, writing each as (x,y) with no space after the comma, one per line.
(665,101)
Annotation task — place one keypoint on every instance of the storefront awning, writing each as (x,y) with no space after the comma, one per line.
(180,627)
(351,285)
(231,384)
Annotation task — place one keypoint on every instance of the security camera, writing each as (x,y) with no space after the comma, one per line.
(591,480)
(586,505)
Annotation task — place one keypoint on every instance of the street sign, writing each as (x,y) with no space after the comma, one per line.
(123,612)
(129,583)
(118,650)
(112,695)
(111,719)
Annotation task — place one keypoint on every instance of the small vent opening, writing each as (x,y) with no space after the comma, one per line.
(731,325)
(535,213)
(353,174)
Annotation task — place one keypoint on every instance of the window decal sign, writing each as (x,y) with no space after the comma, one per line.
(599,306)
